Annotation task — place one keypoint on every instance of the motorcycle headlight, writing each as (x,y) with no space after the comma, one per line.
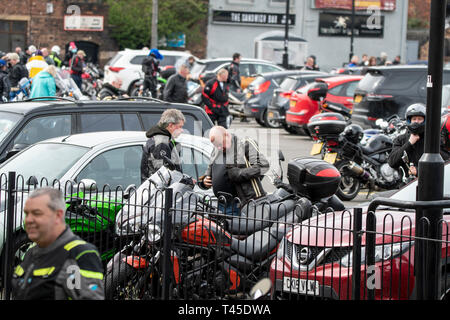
(154,233)
(382,253)
(129,227)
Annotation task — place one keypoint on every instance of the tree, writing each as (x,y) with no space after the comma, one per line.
(131,21)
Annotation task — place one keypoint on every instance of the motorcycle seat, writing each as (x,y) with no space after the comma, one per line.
(257,246)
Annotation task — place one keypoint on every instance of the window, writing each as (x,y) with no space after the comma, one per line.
(43,128)
(400,80)
(116,167)
(95,122)
(263,68)
(349,90)
(192,125)
(194,162)
(281,3)
(131,122)
(7,122)
(240,1)
(244,70)
(336,91)
(137,60)
(12,35)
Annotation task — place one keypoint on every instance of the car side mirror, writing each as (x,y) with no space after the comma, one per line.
(16,149)
(88,185)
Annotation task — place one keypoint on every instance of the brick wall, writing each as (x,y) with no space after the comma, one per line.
(46,30)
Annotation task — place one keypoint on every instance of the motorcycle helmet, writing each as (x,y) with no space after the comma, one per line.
(354,133)
(445,131)
(56,49)
(416,109)
(155,52)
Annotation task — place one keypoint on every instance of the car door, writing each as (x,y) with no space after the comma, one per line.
(117,167)
(343,94)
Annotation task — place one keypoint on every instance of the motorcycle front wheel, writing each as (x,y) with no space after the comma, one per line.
(349,186)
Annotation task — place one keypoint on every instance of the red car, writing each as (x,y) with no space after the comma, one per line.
(302,107)
(315,259)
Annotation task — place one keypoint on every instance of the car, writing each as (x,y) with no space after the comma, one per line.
(349,70)
(259,94)
(315,259)
(127,64)
(302,107)
(25,123)
(276,110)
(111,158)
(388,91)
(203,70)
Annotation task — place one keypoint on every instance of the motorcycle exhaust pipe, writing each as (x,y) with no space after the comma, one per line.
(359,171)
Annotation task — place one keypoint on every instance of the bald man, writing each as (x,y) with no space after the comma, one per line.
(236,169)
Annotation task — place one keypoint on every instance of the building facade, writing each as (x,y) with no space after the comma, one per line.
(325,25)
(45,23)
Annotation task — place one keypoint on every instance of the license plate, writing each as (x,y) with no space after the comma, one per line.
(358,99)
(316,149)
(292,103)
(270,115)
(249,95)
(330,158)
(302,286)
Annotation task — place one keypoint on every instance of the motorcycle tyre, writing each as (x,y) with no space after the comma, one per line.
(20,241)
(356,186)
(121,273)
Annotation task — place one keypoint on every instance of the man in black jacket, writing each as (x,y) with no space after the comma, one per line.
(412,142)
(61,266)
(5,86)
(215,98)
(150,67)
(234,75)
(162,143)
(17,70)
(176,90)
(112,91)
(236,168)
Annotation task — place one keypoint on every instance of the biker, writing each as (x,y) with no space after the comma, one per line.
(162,143)
(54,55)
(17,70)
(176,89)
(234,75)
(5,86)
(150,67)
(235,170)
(215,98)
(61,266)
(411,142)
(445,136)
(112,91)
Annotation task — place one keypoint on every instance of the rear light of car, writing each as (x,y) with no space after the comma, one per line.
(372,96)
(255,110)
(286,94)
(116,69)
(262,87)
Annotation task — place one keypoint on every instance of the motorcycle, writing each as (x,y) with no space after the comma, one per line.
(209,254)
(92,82)
(138,88)
(66,87)
(22,92)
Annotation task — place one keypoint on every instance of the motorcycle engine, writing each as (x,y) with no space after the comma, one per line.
(388,176)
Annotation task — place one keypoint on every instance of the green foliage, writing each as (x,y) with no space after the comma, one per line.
(131,20)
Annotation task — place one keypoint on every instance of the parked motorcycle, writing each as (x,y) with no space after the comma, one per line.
(92,82)
(138,88)
(210,253)
(22,92)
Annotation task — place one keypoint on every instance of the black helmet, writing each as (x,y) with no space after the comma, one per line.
(354,133)
(416,109)
(445,131)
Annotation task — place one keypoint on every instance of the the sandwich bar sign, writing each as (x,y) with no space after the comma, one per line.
(262,18)
(384,5)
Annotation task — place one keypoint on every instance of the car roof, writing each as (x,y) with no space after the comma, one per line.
(225,59)
(338,79)
(25,107)
(291,73)
(163,52)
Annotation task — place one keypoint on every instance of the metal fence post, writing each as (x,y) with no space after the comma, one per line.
(167,243)
(356,263)
(370,252)
(10,216)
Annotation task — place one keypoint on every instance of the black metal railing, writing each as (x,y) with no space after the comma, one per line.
(166,244)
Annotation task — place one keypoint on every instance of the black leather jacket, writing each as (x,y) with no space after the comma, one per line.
(175,89)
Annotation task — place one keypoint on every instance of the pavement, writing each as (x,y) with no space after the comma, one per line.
(292,146)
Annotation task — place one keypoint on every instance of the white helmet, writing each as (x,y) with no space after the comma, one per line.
(56,49)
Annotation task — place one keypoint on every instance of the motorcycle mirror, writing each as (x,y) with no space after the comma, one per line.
(88,185)
(281,155)
(261,289)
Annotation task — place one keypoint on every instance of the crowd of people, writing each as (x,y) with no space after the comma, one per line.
(372,61)
(29,64)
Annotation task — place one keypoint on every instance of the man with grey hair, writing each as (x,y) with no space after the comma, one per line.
(61,266)
(175,89)
(162,143)
(112,91)
(17,70)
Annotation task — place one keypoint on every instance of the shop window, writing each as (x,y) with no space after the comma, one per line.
(12,34)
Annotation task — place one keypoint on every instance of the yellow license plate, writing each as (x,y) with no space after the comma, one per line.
(249,95)
(330,158)
(317,148)
(292,103)
(358,99)
(270,115)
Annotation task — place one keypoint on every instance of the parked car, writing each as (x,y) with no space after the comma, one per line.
(314,261)
(349,70)
(302,107)
(204,70)
(259,94)
(388,91)
(102,158)
(127,64)
(276,110)
(25,123)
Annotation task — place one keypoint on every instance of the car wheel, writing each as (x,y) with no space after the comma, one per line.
(270,122)
(260,122)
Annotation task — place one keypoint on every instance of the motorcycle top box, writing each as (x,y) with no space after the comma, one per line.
(315,178)
(326,124)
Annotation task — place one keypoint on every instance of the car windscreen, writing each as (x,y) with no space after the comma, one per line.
(408,193)
(7,122)
(304,89)
(114,60)
(197,69)
(288,84)
(169,61)
(44,160)
(370,82)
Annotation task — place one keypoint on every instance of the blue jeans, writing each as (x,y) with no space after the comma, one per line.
(232,209)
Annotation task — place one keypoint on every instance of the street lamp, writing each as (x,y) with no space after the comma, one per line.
(286,38)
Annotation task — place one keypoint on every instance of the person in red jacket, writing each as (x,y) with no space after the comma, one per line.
(215,98)
(76,67)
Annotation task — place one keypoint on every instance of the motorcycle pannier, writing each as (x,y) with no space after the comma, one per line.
(326,124)
(313,178)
